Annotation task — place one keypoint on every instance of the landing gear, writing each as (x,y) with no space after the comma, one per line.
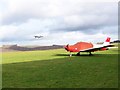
(78,54)
(90,54)
(70,54)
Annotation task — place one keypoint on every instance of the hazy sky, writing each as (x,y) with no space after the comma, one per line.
(59,21)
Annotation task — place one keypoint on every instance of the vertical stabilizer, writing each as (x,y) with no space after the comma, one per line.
(107,41)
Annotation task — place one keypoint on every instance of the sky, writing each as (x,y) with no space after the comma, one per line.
(58,21)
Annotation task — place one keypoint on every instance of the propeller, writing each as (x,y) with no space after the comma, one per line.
(66,47)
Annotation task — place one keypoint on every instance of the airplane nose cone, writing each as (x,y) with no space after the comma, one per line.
(66,47)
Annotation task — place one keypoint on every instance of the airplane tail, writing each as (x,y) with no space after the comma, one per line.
(107,41)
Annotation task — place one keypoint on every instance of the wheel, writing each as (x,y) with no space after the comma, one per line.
(78,54)
(90,54)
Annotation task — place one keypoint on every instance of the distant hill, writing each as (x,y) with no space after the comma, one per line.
(116,41)
(25,48)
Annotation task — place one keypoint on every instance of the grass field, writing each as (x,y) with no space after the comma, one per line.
(55,69)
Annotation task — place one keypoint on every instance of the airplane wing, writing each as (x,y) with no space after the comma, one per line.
(95,48)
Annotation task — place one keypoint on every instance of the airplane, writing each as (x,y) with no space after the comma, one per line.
(38,37)
(88,47)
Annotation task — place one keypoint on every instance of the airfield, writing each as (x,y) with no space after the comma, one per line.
(53,68)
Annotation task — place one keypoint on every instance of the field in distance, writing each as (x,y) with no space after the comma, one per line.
(55,69)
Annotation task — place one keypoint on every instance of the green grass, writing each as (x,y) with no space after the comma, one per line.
(26,56)
(55,69)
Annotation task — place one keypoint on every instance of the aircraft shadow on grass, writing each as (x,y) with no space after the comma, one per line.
(84,55)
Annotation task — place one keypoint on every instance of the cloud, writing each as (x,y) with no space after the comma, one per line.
(59,21)
(22,10)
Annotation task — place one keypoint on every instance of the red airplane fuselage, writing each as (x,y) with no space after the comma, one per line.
(88,47)
(81,46)
(78,46)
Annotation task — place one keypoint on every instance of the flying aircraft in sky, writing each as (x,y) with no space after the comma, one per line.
(38,37)
(88,47)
